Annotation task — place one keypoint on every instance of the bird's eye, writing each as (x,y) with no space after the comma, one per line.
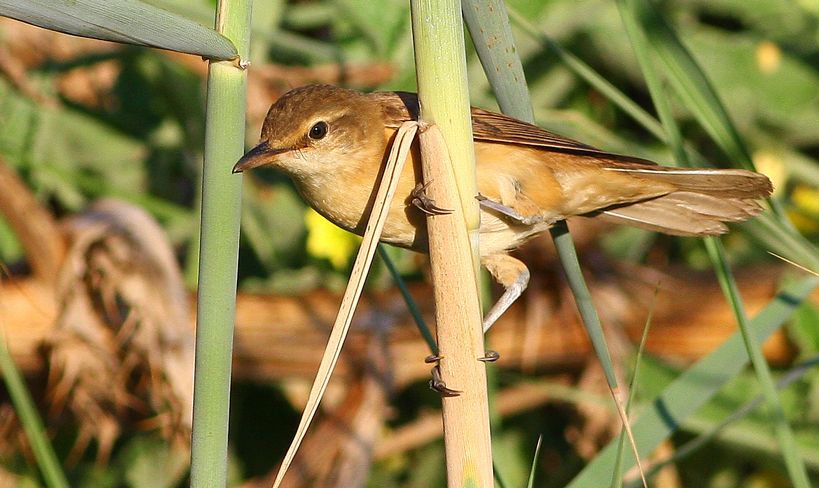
(319,130)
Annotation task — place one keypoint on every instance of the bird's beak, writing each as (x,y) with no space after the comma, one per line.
(260,155)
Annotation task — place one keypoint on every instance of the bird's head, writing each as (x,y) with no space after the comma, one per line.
(317,129)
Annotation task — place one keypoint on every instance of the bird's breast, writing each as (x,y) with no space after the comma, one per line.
(346,195)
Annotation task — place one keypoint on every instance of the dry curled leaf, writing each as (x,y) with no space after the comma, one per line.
(123,346)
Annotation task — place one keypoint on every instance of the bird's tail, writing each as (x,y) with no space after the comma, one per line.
(703,201)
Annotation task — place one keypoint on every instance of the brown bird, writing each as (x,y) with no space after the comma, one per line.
(333,143)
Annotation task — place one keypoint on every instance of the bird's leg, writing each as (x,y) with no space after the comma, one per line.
(513,275)
(436,383)
(509,211)
(425,204)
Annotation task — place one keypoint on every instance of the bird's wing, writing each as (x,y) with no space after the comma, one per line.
(493,127)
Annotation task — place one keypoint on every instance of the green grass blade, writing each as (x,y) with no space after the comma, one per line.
(126,21)
(591,320)
(491,33)
(590,76)
(30,419)
(691,83)
(280,41)
(695,386)
(221,211)
(642,51)
(617,476)
(411,305)
(768,230)
(800,250)
(695,444)
(496,39)
(697,93)
(787,442)
(535,457)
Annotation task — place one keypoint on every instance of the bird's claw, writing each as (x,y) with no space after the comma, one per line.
(424,203)
(490,357)
(437,384)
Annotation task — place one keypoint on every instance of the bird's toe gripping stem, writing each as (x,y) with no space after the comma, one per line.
(424,203)
(509,212)
(436,383)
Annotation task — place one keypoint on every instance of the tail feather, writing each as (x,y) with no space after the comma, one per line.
(703,202)
(684,214)
(724,183)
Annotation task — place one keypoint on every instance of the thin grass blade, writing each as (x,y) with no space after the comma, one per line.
(590,76)
(691,83)
(491,33)
(411,305)
(531,482)
(787,442)
(617,477)
(126,21)
(506,84)
(696,385)
(30,419)
(695,90)
(695,444)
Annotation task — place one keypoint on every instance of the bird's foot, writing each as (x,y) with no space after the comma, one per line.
(424,203)
(509,212)
(437,384)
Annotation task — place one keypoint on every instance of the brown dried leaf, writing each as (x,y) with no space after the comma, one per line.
(123,345)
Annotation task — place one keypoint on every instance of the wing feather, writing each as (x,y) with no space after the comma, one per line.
(494,127)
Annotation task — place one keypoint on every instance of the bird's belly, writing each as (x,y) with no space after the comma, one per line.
(496,234)
(500,235)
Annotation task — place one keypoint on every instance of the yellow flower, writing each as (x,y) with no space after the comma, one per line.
(805,214)
(768,57)
(807,199)
(325,240)
(770,164)
(804,223)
